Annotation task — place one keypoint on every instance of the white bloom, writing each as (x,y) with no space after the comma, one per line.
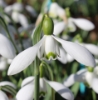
(83,24)
(48,48)
(6,48)
(91,78)
(28,85)
(55,10)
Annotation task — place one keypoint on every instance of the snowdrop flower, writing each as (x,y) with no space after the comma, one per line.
(16,10)
(48,48)
(71,24)
(28,85)
(6,48)
(3,96)
(83,24)
(89,77)
(55,10)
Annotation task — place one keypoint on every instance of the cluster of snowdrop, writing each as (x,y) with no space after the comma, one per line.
(18,52)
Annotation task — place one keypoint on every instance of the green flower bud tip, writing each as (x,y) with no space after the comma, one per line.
(48,25)
(51,54)
(42,70)
(90,69)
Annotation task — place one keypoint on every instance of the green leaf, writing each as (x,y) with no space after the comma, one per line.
(75,88)
(94,95)
(37,33)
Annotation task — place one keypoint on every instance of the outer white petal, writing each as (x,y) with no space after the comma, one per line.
(26,92)
(78,77)
(6,48)
(3,96)
(7,83)
(58,28)
(23,20)
(63,56)
(92,48)
(24,59)
(95,84)
(61,89)
(84,24)
(78,52)
(27,81)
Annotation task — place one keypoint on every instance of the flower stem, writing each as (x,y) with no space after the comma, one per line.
(20,40)
(12,41)
(36,92)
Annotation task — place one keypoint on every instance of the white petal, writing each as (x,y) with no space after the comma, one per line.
(92,48)
(71,26)
(96,60)
(6,48)
(26,92)
(95,85)
(58,28)
(78,52)
(27,81)
(31,10)
(2,4)
(42,85)
(51,46)
(23,20)
(28,29)
(63,56)
(8,9)
(18,7)
(61,89)
(3,63)
(24,59)
(7,83)
(78,77)
(89,78)
(3,96)
(84,24)
(69,58)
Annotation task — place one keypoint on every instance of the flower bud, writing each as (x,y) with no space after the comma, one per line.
(48,25)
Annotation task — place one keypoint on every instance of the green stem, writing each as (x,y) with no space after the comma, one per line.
(36,93)
(20,40)
(12,41)
(53,0)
